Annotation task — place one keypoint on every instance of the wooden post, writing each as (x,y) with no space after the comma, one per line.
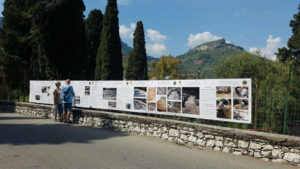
(256,105)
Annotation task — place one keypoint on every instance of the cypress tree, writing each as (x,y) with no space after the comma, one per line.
(61,37)
(109,58)
(93,28)
(137,62)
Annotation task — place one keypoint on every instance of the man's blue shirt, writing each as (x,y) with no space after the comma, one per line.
(69,97)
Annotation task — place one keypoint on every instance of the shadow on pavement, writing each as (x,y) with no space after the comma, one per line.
(30,134)
(18,118)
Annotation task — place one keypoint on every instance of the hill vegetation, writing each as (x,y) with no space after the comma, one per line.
(200,62)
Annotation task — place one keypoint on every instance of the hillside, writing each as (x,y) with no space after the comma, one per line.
(201,60)
(125,48)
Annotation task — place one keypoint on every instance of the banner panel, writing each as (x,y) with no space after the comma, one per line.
(212,99)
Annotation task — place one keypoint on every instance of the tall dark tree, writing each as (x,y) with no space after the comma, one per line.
(61,38)
(137,68)
(93,28)
(16,34)
(109,58)
(292,53)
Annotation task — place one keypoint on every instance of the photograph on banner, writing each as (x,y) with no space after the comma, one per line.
(161,91)
(241,104)
(241,92)
(140,92)
(190,100)
(87,90)
(77,100)
(223,91)
(109,93)
(112,104)
(223,108)
(45,89)
(151,97)
(242,115)
(174,107)
(140,104)
(174,93)
(151,106)
(37,97)
(162,104)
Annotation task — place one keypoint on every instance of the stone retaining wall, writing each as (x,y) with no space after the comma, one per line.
(265,146)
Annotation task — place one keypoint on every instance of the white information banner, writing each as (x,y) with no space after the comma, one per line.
(212,99)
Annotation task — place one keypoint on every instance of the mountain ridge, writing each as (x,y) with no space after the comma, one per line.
(200,61)
(216,44)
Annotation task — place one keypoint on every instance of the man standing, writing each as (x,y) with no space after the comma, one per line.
(67,94)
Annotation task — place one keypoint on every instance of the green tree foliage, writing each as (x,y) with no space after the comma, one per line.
(137,68)
(60,37)
(93,28)
(166,68)
(16,34)
(272,78)
(292,53)
(109,58)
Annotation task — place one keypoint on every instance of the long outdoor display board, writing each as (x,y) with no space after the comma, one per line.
(212,99)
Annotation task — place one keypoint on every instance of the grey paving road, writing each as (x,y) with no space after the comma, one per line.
(29,142)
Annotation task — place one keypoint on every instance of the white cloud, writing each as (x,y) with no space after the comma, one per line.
(269,51)
(199,38)
(155,35)
(156,49)
(126,33)
(156,46)
(253,50)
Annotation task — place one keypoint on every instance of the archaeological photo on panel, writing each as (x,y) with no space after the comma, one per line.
(174,107)
(190,100)
(161,91)
(77,100)
(37,97)
(45,89)
(87,90)
(223,108)
(109,93)
(224,91)
(241,115)
(140,104)
(174,93)
(241,92)
(151,97)
(162,104)
(151,106)
(112,104)
(241,104)
(140,92)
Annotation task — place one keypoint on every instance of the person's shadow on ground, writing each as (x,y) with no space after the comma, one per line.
(30,134)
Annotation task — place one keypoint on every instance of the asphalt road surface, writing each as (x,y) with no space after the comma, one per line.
(30,142)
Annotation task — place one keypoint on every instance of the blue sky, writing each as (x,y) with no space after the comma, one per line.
(175,26)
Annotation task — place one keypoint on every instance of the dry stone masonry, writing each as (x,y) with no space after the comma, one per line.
(265,146)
